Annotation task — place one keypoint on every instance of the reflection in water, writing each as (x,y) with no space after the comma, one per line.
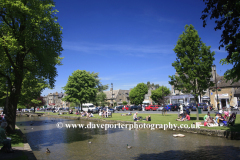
(112,143)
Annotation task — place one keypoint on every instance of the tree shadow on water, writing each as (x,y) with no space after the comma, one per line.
(44,131)
(206,152)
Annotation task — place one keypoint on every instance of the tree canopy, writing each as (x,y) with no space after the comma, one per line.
(81,86)
(159,94)
(137,94)
(227,16)
(193,63)
(30,41)
(100,99)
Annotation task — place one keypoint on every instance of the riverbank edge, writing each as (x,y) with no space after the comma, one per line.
(26,148)
(203,131)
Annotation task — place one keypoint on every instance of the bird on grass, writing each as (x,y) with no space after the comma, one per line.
(129,146)
(48,151)
(89,142)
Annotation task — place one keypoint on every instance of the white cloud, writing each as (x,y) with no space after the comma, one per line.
(129,50)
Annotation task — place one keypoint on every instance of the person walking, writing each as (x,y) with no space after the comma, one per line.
(181,110)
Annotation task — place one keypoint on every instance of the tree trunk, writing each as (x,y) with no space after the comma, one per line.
(11,113)
(196,99)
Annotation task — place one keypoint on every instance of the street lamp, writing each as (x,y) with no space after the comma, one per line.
(214,68)
(112,93)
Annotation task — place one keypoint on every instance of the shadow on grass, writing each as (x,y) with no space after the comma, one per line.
(195,118)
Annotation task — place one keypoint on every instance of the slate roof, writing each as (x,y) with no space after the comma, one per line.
(109,94)
(222,83)
(60,95)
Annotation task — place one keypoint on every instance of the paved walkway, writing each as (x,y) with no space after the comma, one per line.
(18,152)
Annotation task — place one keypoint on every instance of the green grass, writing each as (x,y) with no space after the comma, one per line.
(159,119)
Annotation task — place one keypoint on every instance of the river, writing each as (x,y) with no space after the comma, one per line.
(76,143)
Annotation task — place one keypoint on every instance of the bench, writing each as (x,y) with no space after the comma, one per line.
(109,114)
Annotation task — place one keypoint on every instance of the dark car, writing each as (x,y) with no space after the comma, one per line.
(175,107)
(132,108)
(192,106)
(119,108)
(203,106)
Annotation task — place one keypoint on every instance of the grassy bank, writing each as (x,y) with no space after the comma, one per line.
(159,119)
(16,139)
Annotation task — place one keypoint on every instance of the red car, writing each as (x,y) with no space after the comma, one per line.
(126,108)
(152,107)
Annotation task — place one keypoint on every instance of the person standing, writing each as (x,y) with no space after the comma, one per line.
(181,110)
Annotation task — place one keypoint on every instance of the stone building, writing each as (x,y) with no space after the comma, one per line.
(147,98)
(226,93)
(117,96)
(55,100)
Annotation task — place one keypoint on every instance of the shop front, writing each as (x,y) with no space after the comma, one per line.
(184,99)
(223,100)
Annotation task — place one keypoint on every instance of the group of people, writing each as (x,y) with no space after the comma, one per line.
(7,147)
(103,113)
(183,116)
(136,118)
(84,114)
(218,120)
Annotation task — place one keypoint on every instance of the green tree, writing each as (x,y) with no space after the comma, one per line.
(81,86)
(193,64)
(100,99)
(31,90)
(30,40)
(124,103)
(36,103)
(159,94)
(137,94)
(227,15)
(156,86)
(148,84)
(72,104)
(100,86)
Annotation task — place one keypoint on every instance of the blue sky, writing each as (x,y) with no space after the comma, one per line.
(128,41)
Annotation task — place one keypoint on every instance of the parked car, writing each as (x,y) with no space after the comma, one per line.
(175,107)
(25,110)
(132,108)
(168,107)
(203,106)
(152,107)
(160,108)
(119,108)
(124,108)
(192,106)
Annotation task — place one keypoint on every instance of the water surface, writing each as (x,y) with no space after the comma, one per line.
(71,144)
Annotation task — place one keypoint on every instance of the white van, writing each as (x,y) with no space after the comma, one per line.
(89,106)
